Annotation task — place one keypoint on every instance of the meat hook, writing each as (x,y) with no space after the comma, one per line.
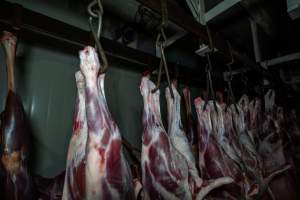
(96,35)
(245,83)
(161,42)
(163,63)
(209,83)
(164,12)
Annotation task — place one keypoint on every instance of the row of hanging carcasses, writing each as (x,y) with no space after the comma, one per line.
(248,142)
(238,148)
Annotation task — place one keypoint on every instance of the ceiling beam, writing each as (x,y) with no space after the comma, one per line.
(219,9)
(280,60)
(197,7)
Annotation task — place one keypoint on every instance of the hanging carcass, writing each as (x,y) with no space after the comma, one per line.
(272,149)
(180,142)
(107,174)
(191,125)
(213,161)
(293,129)
(15,132)
(178,136)
(164,169)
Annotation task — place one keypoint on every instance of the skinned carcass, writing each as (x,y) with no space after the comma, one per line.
(191,125)
(255,120)
(236,133)
(244,104)
(272,150)
(107,173)
(190,122)
(237,119)
(180,142)
(223,133)
(250,156)
(74,186)
(294,130)
(15,132)
(213,162)
(164,169)
(178,136)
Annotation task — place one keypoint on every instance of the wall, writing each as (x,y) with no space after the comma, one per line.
(45,82)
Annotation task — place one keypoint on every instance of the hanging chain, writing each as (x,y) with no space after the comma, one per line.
(209,85)
(161,43)
(229,78)
(164,13)
(96,35)
(210,41)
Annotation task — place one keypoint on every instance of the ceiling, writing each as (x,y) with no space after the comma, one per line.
(278,34)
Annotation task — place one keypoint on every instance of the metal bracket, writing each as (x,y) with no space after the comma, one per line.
(279,60)
(204,49)
(219,9)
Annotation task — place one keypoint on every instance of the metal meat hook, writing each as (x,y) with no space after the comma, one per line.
(97,14)
(100,8)
(163,63)
(161,40)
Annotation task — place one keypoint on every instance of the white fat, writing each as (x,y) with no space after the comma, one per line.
(93,177)
(183,147)
(177,135)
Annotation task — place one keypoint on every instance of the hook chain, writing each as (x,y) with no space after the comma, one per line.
(229,78)
(161,41)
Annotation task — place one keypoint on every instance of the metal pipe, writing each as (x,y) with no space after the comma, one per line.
(256,46)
